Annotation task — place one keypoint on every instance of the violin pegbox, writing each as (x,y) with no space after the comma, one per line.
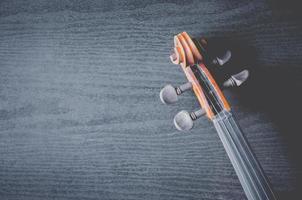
(191,54)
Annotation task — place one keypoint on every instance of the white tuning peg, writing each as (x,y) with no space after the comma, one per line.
(169,94)
(237,79)
(183,120)
(222,60)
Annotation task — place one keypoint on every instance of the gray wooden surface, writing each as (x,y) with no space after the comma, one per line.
(80,116)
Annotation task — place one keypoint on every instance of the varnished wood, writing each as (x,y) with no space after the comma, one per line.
(187,54)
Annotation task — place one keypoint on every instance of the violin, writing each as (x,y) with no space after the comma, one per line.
(192,55)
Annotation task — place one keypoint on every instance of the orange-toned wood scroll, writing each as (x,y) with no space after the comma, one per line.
(187,54)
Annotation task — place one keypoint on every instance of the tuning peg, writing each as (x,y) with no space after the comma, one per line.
(169,94)
(183,120)
(237,79)
(222,60)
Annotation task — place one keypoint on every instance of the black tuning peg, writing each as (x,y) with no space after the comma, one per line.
(237,79)
(183,120)
(169,94)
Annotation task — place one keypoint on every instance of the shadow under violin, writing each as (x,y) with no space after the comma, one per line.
(272,90)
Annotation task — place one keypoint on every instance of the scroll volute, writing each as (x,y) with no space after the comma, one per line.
(185,51)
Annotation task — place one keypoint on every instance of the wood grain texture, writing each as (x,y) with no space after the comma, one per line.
(80,116)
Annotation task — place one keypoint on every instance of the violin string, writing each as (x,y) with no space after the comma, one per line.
(249,158)
(221,118)
(223,123)
(245,153)
(226,117)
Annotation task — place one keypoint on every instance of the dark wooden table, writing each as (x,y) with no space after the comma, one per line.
(80,116)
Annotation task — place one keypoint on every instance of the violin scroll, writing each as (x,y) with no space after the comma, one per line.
(193,57)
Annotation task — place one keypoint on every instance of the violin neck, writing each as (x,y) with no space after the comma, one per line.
(251,176)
